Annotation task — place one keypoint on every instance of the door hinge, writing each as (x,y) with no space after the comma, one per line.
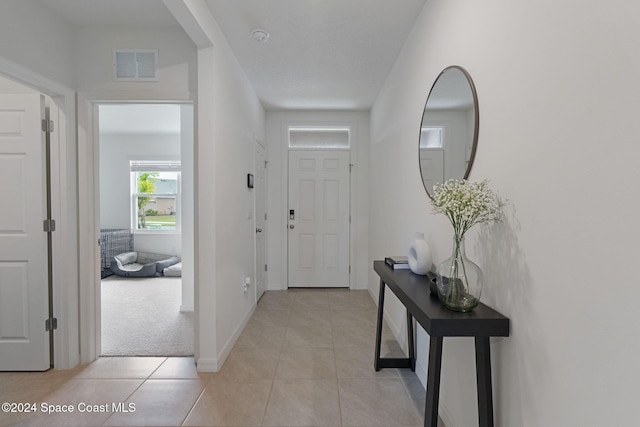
(349,269)
(266,162)
(47,125)
(265,267)
(265,216)
(51,324)
(351,167)
(49,225)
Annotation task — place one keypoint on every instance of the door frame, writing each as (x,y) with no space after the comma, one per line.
(255,221)
(348,219)
(63,201)
(89,206)
(353,144)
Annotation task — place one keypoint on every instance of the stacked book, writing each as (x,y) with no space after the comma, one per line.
(397,262)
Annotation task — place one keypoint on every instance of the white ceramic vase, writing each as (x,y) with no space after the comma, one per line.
(420,260)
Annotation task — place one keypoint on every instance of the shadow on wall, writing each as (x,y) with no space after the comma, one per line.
(509,288)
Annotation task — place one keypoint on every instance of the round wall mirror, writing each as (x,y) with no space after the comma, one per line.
(449,129)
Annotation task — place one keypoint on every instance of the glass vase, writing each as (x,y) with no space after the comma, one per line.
(459,279)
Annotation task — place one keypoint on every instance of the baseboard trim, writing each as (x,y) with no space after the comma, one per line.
(186,308)
(421,372)
(207,365)
(445,416)
(275,287)
(222,356)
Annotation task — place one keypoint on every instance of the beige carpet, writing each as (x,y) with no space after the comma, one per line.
(141,317)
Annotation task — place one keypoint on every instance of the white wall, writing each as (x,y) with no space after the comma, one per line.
(188,206)
(35,38)
(10,86)
(238,120)
(36,49)
(93,57)
(558,137)
(277,144)
(230,118)
(93,54)
(116,151)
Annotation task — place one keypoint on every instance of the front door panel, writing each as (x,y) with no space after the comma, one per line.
(318,222)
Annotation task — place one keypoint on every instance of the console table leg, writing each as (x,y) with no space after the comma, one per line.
(483,373)
(376,361)
(433,382)
(411,342)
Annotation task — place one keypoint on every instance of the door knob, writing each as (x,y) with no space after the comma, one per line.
(291,226)
(258,230)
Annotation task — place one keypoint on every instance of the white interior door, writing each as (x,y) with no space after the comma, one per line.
(318,218)
(432,167)
(260,201)
(24,294)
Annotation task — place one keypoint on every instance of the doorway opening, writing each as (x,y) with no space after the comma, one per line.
(146,229)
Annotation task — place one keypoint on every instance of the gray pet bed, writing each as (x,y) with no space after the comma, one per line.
(141,264)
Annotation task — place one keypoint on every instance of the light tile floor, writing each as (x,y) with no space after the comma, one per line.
(304,359)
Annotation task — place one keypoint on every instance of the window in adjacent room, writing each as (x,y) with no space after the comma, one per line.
(155,196)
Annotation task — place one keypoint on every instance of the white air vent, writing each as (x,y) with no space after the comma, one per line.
(135,65)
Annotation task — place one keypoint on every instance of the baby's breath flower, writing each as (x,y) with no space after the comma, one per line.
(467,204)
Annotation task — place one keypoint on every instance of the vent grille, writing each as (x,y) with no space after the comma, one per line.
(135,65)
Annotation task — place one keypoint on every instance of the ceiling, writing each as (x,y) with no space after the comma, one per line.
(113,13)
(321,54)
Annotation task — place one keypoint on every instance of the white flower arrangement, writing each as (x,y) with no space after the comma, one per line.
(467,204)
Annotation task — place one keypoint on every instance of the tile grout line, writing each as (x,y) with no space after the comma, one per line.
(144,380)
(335,361)
(273,380)
(195,402)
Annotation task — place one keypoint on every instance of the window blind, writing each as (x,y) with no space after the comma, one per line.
(155,166)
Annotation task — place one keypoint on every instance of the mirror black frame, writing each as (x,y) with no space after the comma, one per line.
(476,117)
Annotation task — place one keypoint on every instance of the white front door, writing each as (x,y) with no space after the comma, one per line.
(318,218)
(260,200)
(432,167)
(24,293)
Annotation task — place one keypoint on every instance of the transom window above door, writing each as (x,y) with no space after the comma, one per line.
(155,196)
(319,137)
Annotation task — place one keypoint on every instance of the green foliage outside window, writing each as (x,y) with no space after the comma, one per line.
(146,183)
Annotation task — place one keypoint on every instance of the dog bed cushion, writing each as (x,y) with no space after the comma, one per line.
(141,264)
(173,271)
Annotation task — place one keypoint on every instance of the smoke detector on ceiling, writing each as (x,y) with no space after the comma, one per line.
(260,35)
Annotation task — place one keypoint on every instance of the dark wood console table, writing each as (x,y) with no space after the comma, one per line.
(481,323)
